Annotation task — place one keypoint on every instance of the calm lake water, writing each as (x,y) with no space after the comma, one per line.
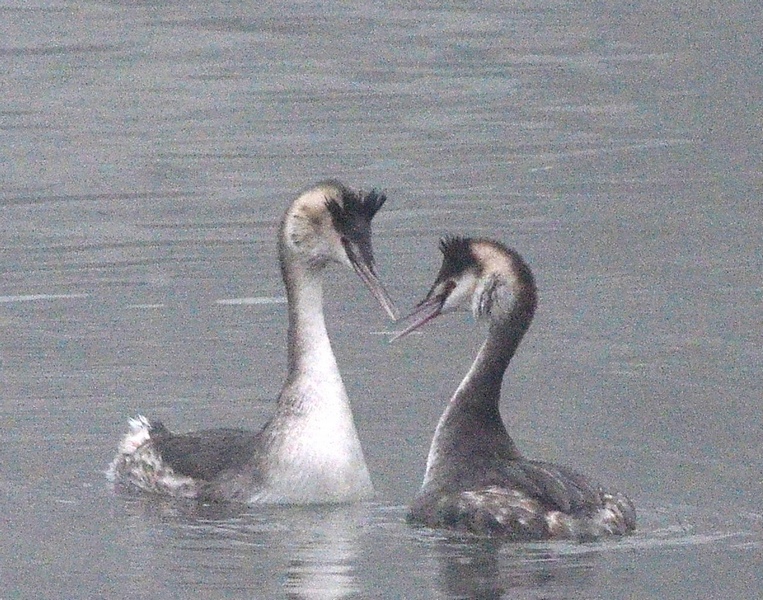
(148,150)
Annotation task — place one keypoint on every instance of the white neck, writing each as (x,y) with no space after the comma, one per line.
(310,355)
(315,451)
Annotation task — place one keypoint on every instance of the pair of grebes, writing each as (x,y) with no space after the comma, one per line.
(476,479)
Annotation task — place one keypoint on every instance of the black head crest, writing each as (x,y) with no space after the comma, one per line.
(457,256)
(355,208)
(351,216)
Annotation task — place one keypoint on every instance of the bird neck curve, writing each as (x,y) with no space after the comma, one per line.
(471,431)
(481,386)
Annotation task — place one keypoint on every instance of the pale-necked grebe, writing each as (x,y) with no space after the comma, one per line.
(476,480)
(309,451)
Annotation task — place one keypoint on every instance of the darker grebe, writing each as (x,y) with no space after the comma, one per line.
(476,480)
(309,451)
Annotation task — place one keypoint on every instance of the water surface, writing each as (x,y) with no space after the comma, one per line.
(149,149)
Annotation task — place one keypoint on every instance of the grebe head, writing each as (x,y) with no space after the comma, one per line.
(331,223)
(479,274)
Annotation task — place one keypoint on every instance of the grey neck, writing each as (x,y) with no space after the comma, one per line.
(471,432)
(481,388)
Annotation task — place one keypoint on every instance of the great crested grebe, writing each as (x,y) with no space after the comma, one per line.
(309,451)
(476,479)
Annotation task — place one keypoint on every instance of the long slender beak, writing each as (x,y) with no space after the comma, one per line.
(423,312)
(365,271)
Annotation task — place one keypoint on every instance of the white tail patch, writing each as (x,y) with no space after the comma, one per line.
(138,434)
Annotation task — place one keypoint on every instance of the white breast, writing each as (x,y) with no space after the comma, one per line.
(316,456)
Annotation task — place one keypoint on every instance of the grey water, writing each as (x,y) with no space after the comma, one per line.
(147,151)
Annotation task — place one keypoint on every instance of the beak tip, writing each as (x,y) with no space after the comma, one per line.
(368,274)
(395,336)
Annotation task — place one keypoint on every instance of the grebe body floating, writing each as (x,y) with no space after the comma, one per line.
(476,479)
(309,451)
